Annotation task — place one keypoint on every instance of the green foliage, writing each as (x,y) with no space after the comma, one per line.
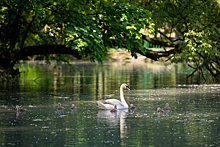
(92,27)
(121,22)
(86,26)
(84,36)
(197,24)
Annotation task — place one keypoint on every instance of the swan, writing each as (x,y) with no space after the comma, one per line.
(115,109)
(167,107)
(20,109)
(60,107)
(73,107)
(160,110)
(132,106)
(109,103)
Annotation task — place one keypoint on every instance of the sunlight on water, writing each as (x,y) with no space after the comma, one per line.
(193,118)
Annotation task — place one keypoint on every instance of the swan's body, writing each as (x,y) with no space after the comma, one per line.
(167,107)
(104,106)
(109,103)
(60,107)
(160,110)
(20,109)
(73,107)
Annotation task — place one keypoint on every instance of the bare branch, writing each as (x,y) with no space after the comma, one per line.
(169,58)
(191,73)
(191,66)
(203,76)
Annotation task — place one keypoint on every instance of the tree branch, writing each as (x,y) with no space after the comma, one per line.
(46,49)
(157,42)
(155,55)
(26,32)
(203,76)
(191,66)
(192,73)
(178,11)
(169,37)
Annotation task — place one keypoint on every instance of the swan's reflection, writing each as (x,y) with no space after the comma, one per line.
(20,114)
(113,119)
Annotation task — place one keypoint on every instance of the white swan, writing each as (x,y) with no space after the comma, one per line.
(109,103)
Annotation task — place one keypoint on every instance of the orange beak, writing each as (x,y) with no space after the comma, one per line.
(128,88)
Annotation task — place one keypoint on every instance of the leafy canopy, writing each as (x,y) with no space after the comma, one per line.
(190,29)
(86,26)
(196,24)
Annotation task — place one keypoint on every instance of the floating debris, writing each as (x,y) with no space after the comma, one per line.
(179,120)
(62,115)
(47,119)
(31,106)
(60,97)
(38,120)
(139,116)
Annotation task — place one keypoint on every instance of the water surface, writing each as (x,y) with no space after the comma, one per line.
(192,121)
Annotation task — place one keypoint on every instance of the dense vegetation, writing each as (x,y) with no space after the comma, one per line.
(197,29)
(89,28)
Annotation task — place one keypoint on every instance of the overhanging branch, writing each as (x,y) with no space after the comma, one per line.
(46,49)
(169,37)
(157,42)
(155,55)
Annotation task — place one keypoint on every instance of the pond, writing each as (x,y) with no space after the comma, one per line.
(192,121)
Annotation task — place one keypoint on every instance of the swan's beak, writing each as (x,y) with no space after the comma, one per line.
(128,88)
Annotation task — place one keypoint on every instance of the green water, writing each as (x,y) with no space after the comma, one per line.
(192,121)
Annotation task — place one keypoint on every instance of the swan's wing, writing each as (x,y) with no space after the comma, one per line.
(115,102)
(112,101)
(104,106)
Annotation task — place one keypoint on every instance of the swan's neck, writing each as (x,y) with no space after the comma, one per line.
(122,97)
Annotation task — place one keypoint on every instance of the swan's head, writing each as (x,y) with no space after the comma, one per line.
(125,86)
(167,104)
(59,104)
(72,105)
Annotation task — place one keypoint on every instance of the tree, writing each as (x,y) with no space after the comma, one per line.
(196,25)
(89,28)
(80,28)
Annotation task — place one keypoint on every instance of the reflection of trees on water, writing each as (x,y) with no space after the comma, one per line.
(95,80)
(97,85)
(81,88)
(136,74)
(113,119)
